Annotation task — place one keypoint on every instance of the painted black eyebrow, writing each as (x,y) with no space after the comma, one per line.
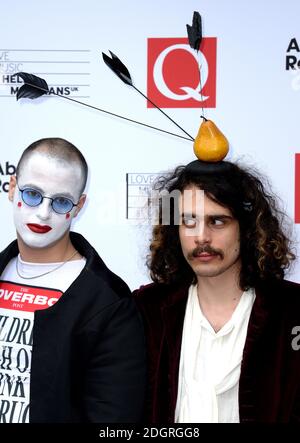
(30,186)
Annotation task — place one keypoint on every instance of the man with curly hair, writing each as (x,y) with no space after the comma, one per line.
(219,317)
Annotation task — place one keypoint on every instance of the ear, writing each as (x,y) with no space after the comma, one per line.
(12,187)
(80,204)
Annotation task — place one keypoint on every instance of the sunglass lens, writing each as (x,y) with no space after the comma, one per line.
(31,197)
(62,205)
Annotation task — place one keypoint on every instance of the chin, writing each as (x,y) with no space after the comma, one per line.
(208,274)
(213,271)
(38,242)
(32,240)
(37,245)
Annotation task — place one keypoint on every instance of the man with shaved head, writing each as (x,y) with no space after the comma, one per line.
(71,341)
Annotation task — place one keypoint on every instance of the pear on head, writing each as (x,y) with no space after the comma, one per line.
(210,145)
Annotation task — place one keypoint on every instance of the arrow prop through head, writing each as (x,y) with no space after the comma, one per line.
(35,87)
(115,64)
(195,38)
(209,136)
(210,145)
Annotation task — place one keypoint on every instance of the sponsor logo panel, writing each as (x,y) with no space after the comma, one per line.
(6,170)
(173,73)
(26,298)
(138,195)
(67,71)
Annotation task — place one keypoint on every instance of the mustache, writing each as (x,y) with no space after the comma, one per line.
(206,248)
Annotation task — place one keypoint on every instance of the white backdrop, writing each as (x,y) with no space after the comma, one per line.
(257,102)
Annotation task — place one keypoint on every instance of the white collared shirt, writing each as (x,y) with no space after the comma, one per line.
(210,364)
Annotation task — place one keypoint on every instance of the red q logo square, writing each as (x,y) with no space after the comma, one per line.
(173,73)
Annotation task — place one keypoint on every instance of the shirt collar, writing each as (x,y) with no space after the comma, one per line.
(247,299)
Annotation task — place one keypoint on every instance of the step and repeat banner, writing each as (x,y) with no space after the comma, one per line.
(250,69)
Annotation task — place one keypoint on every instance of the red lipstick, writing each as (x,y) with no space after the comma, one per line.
(39,229)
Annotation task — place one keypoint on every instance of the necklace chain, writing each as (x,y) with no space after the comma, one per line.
(44,273)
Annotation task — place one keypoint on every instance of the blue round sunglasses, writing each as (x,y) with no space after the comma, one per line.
(60,205)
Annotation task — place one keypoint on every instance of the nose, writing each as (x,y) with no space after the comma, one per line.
(202,234)
(44,209)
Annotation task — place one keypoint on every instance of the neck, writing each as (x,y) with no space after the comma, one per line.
(57,252)
(219,296)
(222,290)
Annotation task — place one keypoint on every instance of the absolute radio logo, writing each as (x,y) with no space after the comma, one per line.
(6,170)
(173,73)
(292,63)
(297,188)
(292,59)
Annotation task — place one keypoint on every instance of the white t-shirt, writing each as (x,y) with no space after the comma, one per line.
(210,364)
(19,298)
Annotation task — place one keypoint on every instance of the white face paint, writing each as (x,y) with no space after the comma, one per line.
(40,226)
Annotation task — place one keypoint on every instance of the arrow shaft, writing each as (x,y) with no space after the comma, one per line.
(110,113)
(157,107)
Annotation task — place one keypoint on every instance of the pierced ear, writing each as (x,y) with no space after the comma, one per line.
(12,187)
(80,204)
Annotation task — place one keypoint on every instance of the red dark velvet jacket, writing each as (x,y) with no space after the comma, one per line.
(269,386)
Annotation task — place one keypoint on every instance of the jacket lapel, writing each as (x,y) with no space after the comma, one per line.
(7,254)
(257,323)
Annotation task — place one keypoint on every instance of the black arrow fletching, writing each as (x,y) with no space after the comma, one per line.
(33,87)
(195,31)
(115,64)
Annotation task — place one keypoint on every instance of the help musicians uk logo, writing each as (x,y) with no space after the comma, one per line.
(66,71)
(173,73)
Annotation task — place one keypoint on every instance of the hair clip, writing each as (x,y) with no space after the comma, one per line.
(247,206)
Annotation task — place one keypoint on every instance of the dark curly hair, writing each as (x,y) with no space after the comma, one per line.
(265,250)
